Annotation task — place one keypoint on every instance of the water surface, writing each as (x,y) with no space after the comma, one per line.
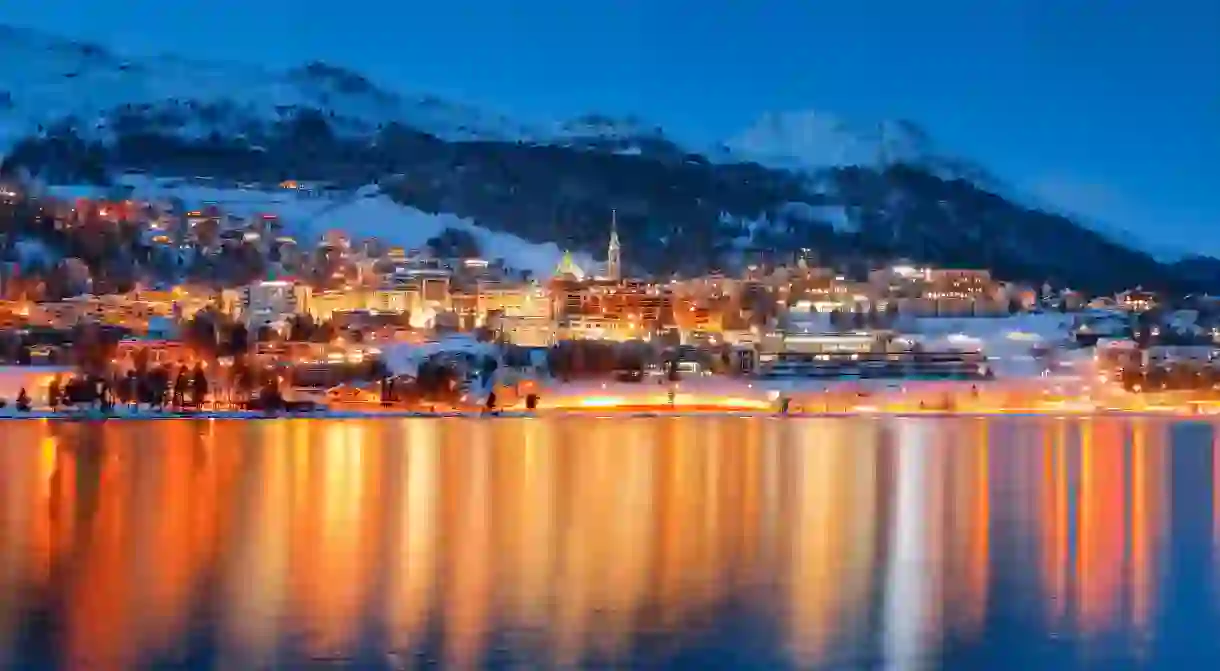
(700,543)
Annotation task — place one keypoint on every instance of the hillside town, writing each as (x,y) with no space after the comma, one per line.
(173,305)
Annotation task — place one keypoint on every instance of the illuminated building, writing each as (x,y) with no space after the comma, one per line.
(614,252)
(958,281)
(271,303)
(159,351)
(520,313)
(615,311)
(630,301)
(820,343)
(925,291)
(130,310)
(429,281)
(568,270)
(465,307)
(394,300)
(592,327)
(404,294)
(324,304)
(526,331)
(1136,300)
(692,318)
(518,300)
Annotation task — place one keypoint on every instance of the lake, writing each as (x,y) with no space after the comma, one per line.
(682,542)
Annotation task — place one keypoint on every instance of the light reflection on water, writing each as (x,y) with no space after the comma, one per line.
(662,542)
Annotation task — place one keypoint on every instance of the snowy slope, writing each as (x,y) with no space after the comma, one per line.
(810,139)
(364,213)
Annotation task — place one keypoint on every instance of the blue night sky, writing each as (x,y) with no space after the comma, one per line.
(1111,108)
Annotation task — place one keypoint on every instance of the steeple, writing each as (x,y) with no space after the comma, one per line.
(614,253)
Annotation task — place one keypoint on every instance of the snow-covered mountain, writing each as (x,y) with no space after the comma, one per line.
(99,91)
(57,80)
(811,141)
(74,113)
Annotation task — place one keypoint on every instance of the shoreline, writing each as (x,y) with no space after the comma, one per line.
(608,413)
(717,396)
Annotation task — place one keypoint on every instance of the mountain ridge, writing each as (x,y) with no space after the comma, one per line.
(65,78)
(85,114)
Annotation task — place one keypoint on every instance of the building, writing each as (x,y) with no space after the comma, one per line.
(390,299)
(633,300)
(157,351)
(959,283)
(271,303)
(1136,300)
(324,304)
(820,343)
(614,251)
(522,330)
(925,291)
(568,271)
(114,310)
(594,327)
(180,301)
(430,282)
(493,297)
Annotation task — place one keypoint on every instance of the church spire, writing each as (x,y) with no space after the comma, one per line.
(614,253)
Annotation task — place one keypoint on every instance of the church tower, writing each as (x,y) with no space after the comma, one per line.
(614,253)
